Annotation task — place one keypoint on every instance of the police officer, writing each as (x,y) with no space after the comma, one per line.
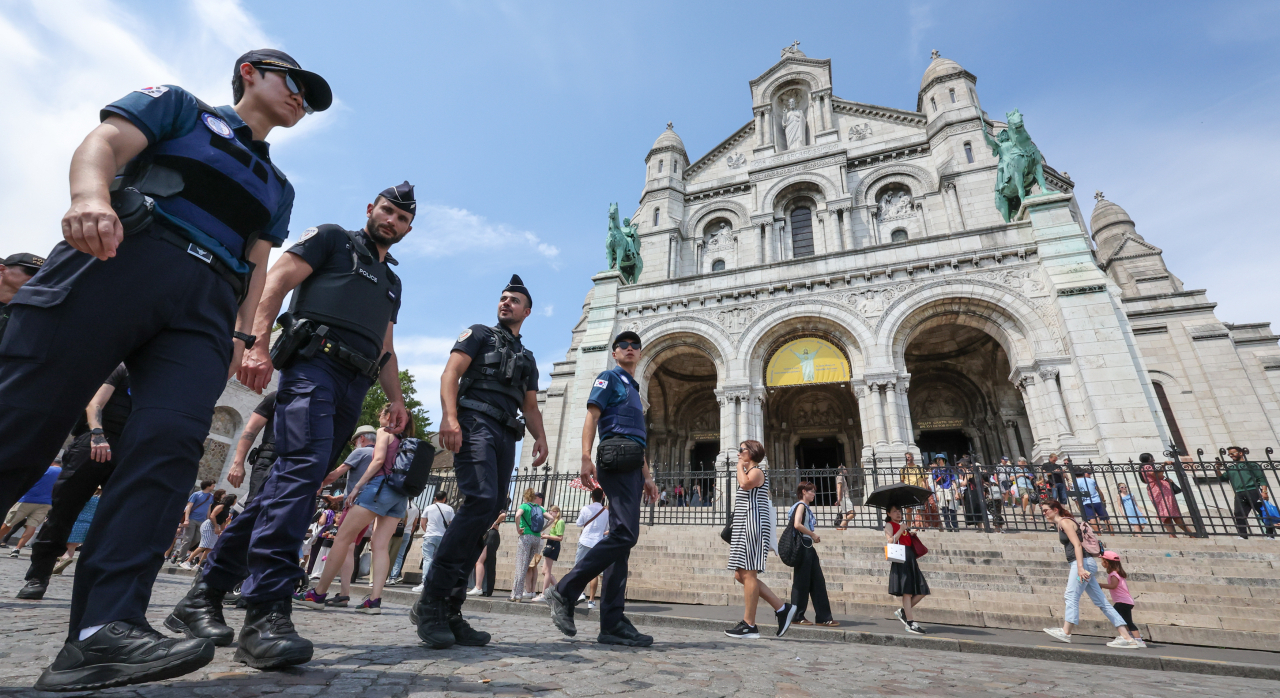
(337,338)
(490,377)
(615,409)
(86,466)
(15,270)
(152,269)
(260,422)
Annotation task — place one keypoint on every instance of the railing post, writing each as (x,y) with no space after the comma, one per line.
(1190,493)
(980,479)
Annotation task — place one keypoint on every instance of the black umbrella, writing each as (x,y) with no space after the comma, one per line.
(899,494)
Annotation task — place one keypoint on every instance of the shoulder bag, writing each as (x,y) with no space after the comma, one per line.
(791,543)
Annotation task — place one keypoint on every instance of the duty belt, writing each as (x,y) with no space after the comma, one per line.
(512,423)
(352,358)
(239,284)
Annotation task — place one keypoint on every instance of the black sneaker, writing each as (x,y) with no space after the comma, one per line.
(624,633)
(915,629)
(120,654)
(463,633)
(561,612)
(34,589)
(785,615)
(433,623)
(199,614)
(268,639)
(338,601)
(744,631)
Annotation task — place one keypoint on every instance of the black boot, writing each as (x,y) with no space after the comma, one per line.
(34,589)
(199,614)
(463,633)
(268,639)
(122,653)
(433,623)
(624,633)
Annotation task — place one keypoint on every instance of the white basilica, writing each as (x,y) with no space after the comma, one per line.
(835,280)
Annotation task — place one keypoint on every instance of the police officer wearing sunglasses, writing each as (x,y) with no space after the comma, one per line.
(175,205)
(615,411)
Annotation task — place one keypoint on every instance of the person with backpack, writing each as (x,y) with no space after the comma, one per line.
(371,501)
(530,518)
(553,533)
(1082,549)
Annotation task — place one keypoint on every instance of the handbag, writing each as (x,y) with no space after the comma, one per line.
(618,454)
(917,546)
(726,534)
(894,552)
(791,545)
(1173,487)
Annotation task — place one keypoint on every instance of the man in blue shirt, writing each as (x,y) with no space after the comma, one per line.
(32,508)
(1093,505)
(160,267)
(615,409)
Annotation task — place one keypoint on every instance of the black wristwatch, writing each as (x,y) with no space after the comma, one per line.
(248,339)
(96,432)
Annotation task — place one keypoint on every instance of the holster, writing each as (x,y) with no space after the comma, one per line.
(294,337)
(618,454)
(134,209)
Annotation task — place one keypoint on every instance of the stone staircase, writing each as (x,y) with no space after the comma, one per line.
(1219,592)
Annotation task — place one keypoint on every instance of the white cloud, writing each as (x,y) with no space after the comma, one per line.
(444,231)
(548,309)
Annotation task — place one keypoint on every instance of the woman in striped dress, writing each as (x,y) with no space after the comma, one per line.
(753,524)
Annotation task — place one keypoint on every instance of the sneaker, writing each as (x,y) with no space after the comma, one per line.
(371,606)
(902,616)
(591,605)
(120,654)
(582,597)
(470,592)
(785,616)
(539,599)
(1124,643)
(743,631)
(625,634)
(391,582)
(418,589)
(561,612)
(338,601)
(1141,643)
(16,552)
(4,546)
(63,564)
(1058,634)
(915,628)
(187,566)
(528,596)
(310,599)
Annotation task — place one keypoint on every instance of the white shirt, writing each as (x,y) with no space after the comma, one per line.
(594,532)
(437,515)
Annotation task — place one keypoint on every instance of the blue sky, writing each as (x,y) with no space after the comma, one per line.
(520,122)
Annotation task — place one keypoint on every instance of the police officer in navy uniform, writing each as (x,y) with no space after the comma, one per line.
(161,267)
(15,270)
(614,409)
(337,339)
(489,380)
(86,465)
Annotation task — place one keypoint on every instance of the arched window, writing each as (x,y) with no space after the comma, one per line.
(953,95)
(934,103)
(802,232)
(657,211)
(898,235)
(717,265)
(659,166)
(968,151)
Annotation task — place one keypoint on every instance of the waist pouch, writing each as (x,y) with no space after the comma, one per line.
(618,454)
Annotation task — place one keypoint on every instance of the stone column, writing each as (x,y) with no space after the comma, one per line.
(877,410)
(862,393)
(874,212)
(909,432)
(768,125)
(924,219)
(755,419)
(1049,376)
(775,240)
(846,227)
(1031,396)
(759,113)
(955,201)
(1011,433)
(820,246)
(892,406)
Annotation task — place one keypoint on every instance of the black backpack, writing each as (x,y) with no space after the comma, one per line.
(412,469)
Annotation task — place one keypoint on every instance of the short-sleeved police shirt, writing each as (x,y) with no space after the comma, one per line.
(168,112)
(117,410)
(610,389)
(327,249)
(267,409)
(478,340)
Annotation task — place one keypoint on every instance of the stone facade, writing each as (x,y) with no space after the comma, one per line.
(875,230)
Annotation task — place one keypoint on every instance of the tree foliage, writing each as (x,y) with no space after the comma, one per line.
(376,398)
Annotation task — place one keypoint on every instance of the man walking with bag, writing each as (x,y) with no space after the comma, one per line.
(615,409)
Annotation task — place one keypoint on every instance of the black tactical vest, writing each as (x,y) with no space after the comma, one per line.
(506,369)
(361,300)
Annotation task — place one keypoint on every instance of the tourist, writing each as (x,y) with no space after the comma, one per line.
(973,493)
(1130,507)
(1121,599)
(679,494)
(662,496)
(944,492)
(32,508)
(916,475)
(1023,487)
(325,524)
(696,495)
(436,519)
(1080,579)
(844,499)
(371,502)
(486,565)
(553,534)
(193,517)
(79,530)
(807,580)
(753,538)
(1268,512)
(1246,477)
(1004,476)
(905,578)
(402,541)
(1160,492)
(594,522)
(209,530)
(530,518)
(1093,504)
(1053,469)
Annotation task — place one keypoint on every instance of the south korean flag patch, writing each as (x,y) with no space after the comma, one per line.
(153,92)
(602,383)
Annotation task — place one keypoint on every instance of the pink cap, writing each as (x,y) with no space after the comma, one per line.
(1111,555)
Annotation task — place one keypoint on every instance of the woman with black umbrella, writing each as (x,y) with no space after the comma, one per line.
(905,578)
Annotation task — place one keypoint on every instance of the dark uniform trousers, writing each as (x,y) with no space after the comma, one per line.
(169,318)
(81,477)
(317,407)
(610,556)
(258,476)
(483,468)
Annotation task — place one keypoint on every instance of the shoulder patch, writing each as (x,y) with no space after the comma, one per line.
(308,234)
(153,92)
(465,333)
(217,125)
(602,383)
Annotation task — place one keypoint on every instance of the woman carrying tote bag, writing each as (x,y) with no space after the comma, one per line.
(807,580)
(905,578)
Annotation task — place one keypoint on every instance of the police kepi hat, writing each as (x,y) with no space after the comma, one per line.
(24,259)
(318,95)
(401,196)
(517,286)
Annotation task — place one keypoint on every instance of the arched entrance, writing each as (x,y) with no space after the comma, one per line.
(683,415)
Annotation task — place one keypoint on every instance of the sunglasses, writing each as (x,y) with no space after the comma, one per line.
(289,83)
(624,344)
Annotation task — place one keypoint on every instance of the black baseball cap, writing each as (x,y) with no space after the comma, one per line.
(626,336)
(24,259)
(318,95)
(539,495)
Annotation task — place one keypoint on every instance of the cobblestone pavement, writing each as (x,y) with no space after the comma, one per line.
(379,657)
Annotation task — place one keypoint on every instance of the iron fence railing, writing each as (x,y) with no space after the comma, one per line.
(1173,494)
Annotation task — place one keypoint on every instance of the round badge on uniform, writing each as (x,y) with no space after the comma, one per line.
(465,333)
(217,125)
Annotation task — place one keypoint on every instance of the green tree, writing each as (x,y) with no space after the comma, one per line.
(376,398)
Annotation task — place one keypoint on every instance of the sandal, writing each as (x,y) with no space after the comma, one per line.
(803,622)
(831,624)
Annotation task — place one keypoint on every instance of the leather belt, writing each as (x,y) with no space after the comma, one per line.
(346,355)
(513,423)
(239,283)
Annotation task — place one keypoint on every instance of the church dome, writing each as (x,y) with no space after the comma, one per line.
(668,139)
(939,67)
(1106,213)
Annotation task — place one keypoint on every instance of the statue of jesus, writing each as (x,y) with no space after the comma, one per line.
(793,124)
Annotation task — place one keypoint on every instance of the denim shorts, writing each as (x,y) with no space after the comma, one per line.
(386,502)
